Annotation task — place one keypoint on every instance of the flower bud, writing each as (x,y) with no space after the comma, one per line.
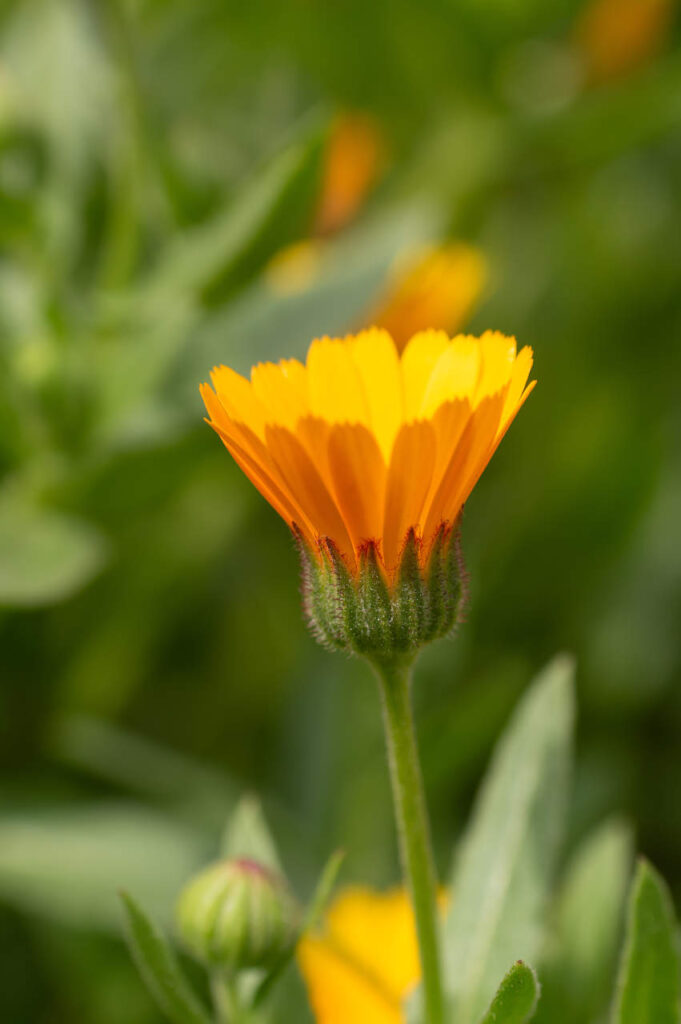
(379,617)
(237,914)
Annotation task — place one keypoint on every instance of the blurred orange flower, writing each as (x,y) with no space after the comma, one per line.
(438,287)
(361,968)
(361,445)
(617,36)
(354,159)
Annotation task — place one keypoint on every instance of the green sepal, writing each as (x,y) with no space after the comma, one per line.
(411,596)
(374,631)
(247,835)
(371,614)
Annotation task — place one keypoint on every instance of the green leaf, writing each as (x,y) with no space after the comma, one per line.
(44,557)
(268,213)
(648,986)
(141,766)
(66,863)
(314,911)
(159,968)
(589,917)
(323,890)
(247,835)
(504,869)
(516,997)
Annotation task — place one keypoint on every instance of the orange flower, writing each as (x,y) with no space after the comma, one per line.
(617,36)
(363,966)
(437,288)
(353,162)
(361,446)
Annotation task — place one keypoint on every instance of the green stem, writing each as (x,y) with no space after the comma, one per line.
(225,999)
(412,826)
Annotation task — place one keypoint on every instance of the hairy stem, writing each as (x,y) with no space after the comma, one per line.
(412,826)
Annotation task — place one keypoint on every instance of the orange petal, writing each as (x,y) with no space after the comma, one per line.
(378,366)
(302,479)
(469,458)
(449,423)
(334,386)
(516,395)
(418,362)
(264,482)
(409,479)
(358,473)
(279,393)
(497,361)
(455,375)
(239,399)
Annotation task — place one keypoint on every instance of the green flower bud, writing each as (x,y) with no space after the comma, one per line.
(237,914)
(380,618)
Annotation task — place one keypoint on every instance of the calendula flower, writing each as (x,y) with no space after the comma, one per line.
(435,287)
(369,457)
(617,36)
(363,965)
(353,162)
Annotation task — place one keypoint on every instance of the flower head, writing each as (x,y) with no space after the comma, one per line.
(354,158)
(616,37)
(436,287)
(369,456)
(237,914)
(364,963)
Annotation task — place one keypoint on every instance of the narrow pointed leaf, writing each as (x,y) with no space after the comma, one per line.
(504,870)
(577,980)
(160,969)
(247,835)
(314,911)
(648,987)
(516,997)
(323,889)
(270,211)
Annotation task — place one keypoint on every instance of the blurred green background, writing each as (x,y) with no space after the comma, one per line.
(154,158)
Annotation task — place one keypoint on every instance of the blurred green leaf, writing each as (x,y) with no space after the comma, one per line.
(590,913)
(140,766)
(247,835)
(159,968)
(504,868)
(268,213)
(323,889)
(67,863)
(44,556)
(516,997)
(648,986)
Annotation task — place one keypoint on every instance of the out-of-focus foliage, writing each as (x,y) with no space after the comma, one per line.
(360,961)
(154,158)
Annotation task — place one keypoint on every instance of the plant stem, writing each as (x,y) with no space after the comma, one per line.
(225,999)
(412,826)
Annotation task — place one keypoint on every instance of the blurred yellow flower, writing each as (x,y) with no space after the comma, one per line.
(617,36)
(359,970)
(361,446)
(354,158)
(438,287)
(294,268)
